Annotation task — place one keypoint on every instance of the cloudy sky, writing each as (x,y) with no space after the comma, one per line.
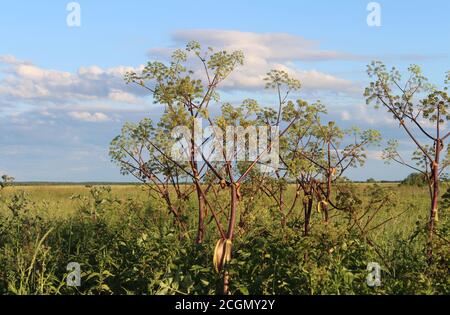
(62,96)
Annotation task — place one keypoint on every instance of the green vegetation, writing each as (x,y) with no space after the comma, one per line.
(415,179)
(206,222)
(126,243)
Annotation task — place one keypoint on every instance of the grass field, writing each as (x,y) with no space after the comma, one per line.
(55,202)
(126,243)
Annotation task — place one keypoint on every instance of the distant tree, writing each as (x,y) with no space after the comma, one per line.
(6,181)
(415,179)
(371,180)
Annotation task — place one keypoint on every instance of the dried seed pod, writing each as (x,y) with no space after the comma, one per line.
(238,191)
(222,253)
(319,205)
(332,171)
(227,254)
(218,254)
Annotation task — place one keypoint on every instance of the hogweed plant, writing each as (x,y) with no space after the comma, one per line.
(182,91)
(186,97)
(244,153)
(422,111)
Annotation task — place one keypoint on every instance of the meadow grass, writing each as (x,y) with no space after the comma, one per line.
(55,202)
(133,246)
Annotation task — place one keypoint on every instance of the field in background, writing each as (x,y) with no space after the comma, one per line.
(132,246)
(54,201)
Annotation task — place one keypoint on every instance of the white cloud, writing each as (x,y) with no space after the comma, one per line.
(273,46)
(266,51)
(364,115)
(27,83)
(45,112)
(88,117)
(374,155)
(121,96)
(345,115)
(9,59)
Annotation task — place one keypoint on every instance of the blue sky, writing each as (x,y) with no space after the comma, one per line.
(62,98)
